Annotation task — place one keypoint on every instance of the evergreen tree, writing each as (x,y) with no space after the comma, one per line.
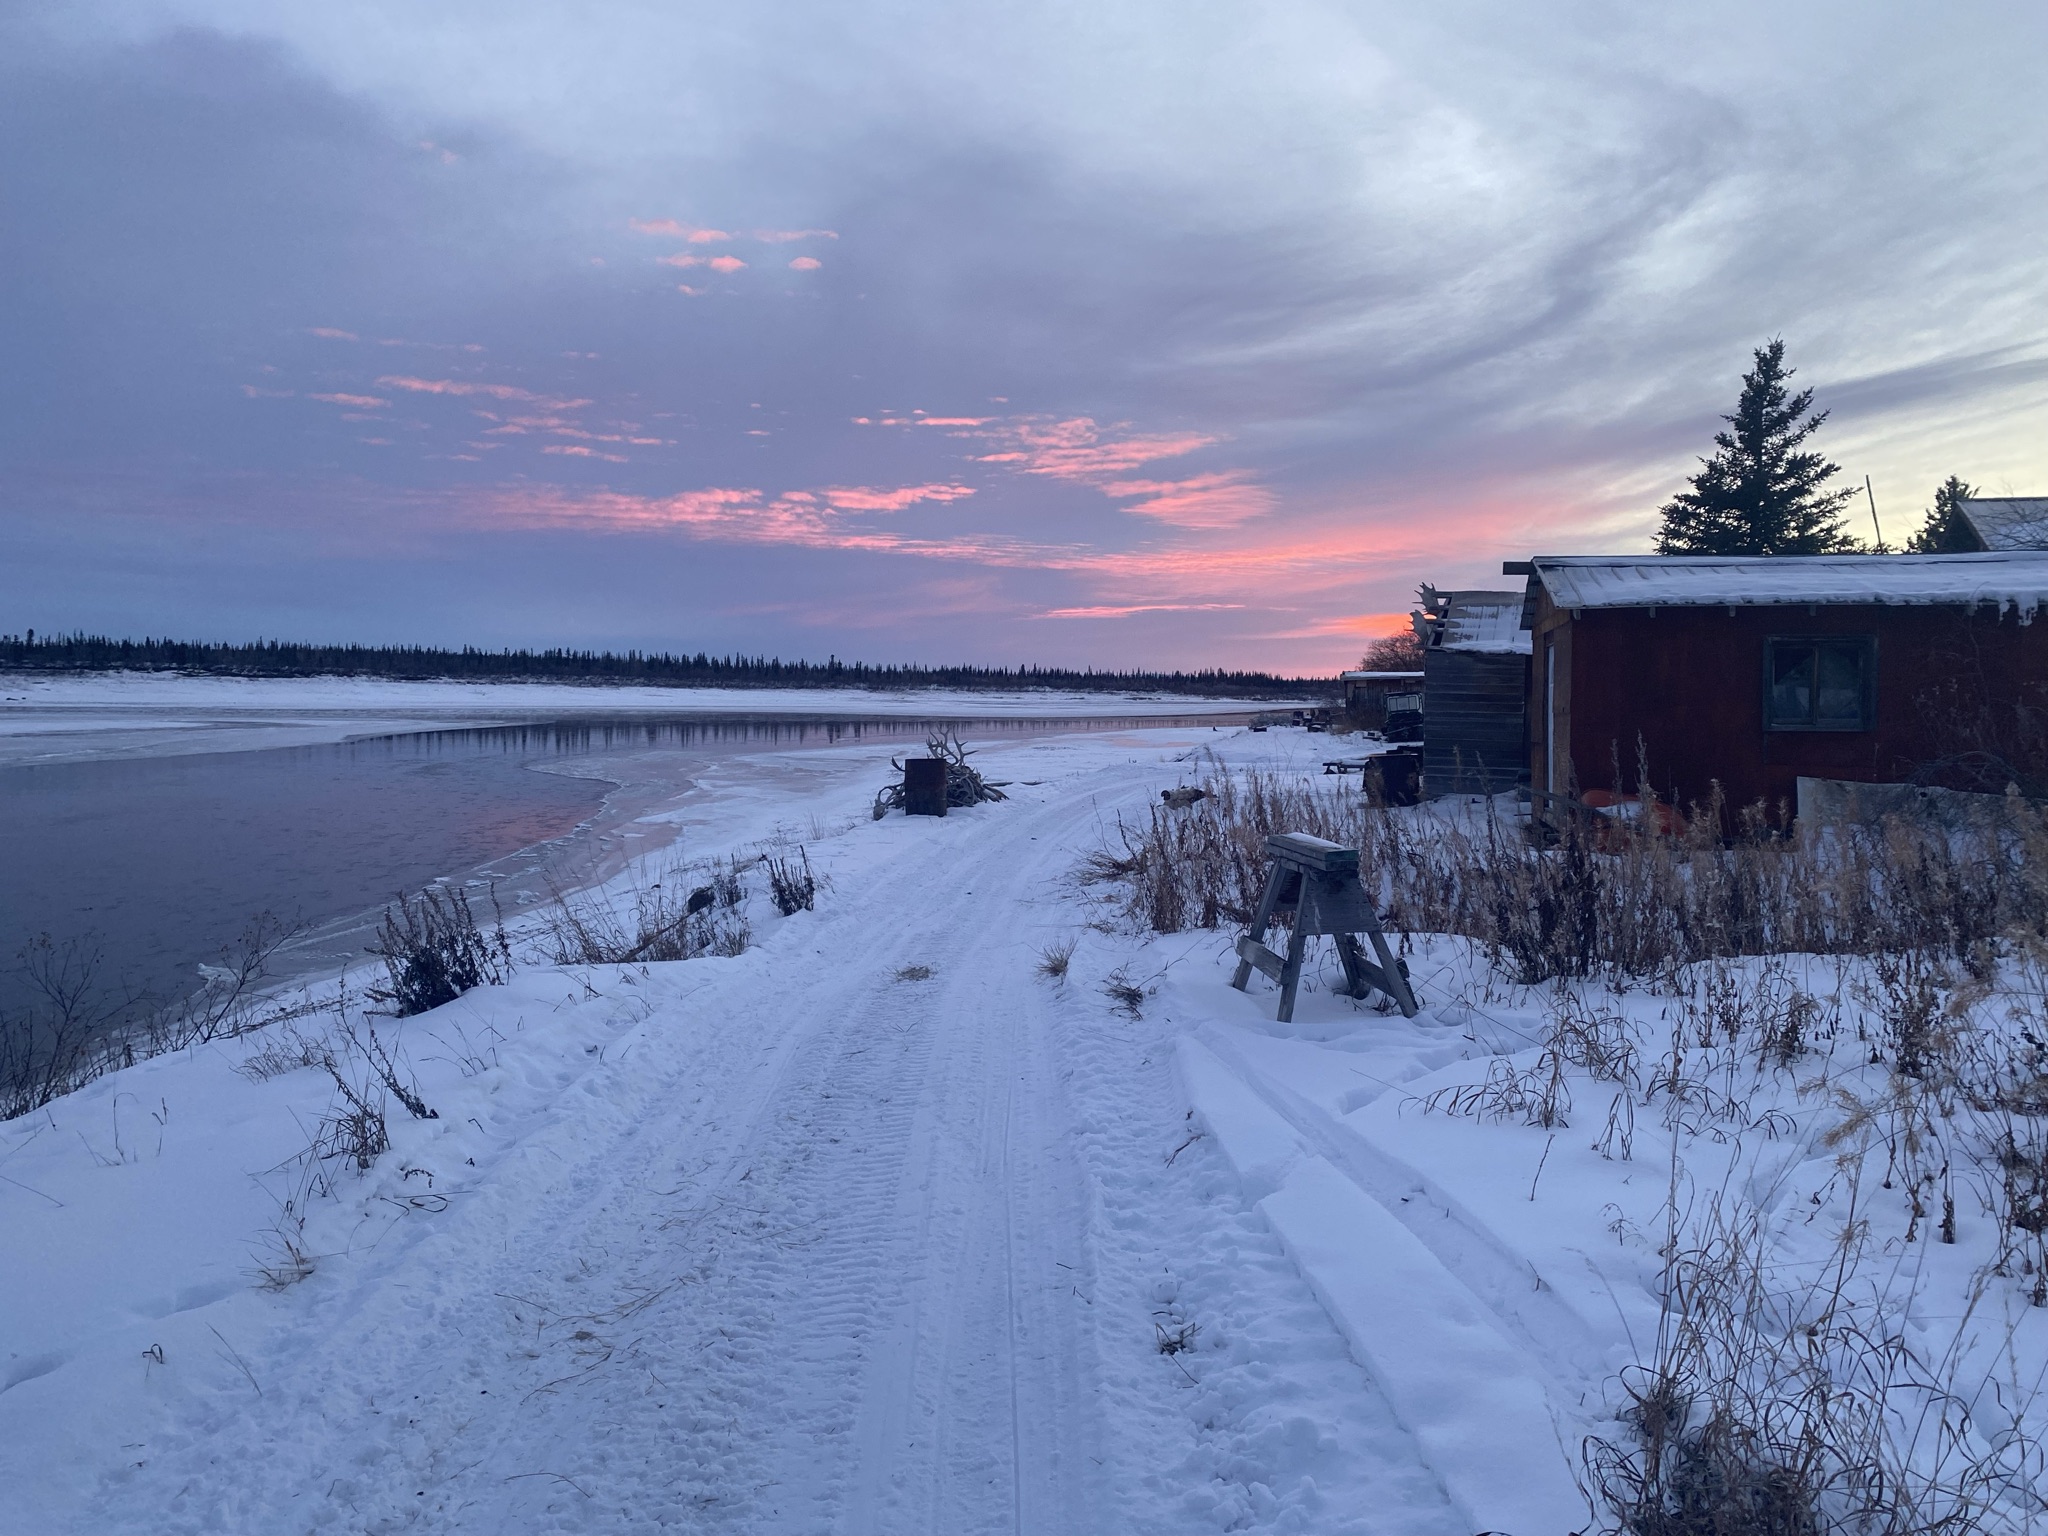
(1947,531)
(1761,493)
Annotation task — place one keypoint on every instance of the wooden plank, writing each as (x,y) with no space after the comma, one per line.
(1395,979)
(1313,853)
(1339,907)
(1253,953)
(1275,878)
(1290,975)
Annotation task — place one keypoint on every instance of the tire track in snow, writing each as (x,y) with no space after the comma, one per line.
(1563,1351)
(825,1252)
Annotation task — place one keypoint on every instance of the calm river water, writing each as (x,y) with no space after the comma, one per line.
(162,861)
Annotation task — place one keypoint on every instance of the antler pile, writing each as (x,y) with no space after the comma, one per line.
(964,785)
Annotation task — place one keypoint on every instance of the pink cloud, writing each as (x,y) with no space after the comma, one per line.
(364,402)
(1082,450)
(1126,612)
(1217,500)
(676,229)
(725,264)
(805,264)
(812,519)
(784,236)
(865,499)
(681,259)
(465,387)
(331,334)
(1079,449)
(578,451)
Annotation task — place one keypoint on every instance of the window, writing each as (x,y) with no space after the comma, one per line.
(1820,684)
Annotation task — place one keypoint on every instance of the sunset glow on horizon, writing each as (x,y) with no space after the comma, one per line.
(1143,339)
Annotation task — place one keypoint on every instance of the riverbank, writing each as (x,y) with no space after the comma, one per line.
(73,718)
(962,1202)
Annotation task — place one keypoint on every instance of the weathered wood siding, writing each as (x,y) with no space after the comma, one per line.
(1688,682)
(1473,740)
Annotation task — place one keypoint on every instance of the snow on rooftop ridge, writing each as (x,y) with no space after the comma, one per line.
(2009,578)
(2008,522)
(1485,622)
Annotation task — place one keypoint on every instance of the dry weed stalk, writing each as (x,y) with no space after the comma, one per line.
(680,916)
(1619,898)
(434,952)
(1054,960)
(1785,1403)
(82,1026)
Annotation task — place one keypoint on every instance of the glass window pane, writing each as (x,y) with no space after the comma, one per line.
(1791,684)
(1839,699)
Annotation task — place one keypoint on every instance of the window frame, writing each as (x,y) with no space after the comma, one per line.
(1864,648)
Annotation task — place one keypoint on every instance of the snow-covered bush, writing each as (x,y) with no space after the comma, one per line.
(435,952)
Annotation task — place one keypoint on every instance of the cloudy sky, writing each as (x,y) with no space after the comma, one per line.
(1170,334)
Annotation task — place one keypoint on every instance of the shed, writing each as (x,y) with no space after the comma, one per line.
(1366,694)
(2007,522)
(1753,673)
(1475,680)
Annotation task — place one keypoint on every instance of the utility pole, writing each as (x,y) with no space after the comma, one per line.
(1867,491)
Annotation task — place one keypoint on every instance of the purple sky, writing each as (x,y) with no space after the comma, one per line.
(1141,334)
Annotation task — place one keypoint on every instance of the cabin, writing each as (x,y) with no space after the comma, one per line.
(2007,522)
(1369,696)
(1475,664)
(1752,674)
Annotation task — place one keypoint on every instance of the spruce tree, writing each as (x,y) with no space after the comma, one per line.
(1761,493)
(1947,531)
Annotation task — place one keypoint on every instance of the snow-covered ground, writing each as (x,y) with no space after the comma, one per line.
(876,1227)
(131,714)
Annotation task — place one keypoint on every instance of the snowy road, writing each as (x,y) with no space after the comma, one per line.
(802,1241)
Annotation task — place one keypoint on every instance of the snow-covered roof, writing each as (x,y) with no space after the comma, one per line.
(2009,522)
(2016,579)
(1379,677)
(1482,621)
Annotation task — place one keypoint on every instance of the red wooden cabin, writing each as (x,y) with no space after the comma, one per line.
(1755,673)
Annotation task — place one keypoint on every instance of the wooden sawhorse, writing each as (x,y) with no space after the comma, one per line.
(1318,881)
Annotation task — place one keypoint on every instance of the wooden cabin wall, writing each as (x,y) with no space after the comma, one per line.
(1472,723)
(1690,683)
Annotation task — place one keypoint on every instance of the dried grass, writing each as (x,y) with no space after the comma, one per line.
(687,912)
(434,952)
(1617,899)
(82,1026)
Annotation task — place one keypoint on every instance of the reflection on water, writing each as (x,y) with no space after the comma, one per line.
(165,859)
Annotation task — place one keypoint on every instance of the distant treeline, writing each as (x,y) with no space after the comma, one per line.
(275,658)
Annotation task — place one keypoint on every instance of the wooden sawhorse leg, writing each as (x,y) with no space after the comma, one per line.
(1262,919)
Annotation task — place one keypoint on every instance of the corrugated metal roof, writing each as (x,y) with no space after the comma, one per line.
(2013,579)
(1482,621)
(2009,522)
